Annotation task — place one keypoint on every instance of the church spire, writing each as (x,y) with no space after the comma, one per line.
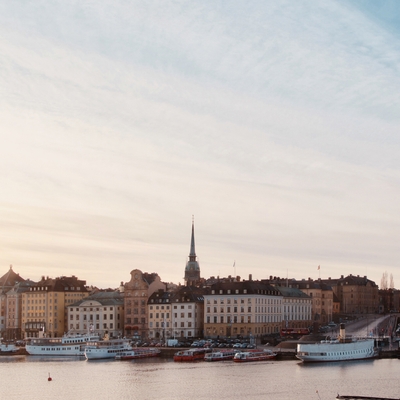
(192,270)
(192,255)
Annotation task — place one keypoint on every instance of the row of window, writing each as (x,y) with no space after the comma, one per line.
(90,317)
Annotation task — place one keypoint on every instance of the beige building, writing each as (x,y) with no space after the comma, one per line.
(43,305)
(322,298)
(160,322)
(7,282)
(136,294)
(242,308)
(100,313)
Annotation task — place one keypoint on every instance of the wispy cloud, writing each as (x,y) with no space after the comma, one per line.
(275,123)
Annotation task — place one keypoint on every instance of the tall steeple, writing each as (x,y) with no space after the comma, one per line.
(192,270)
(192,255)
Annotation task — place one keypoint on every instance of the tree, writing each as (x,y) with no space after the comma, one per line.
(391,285)
(384,280)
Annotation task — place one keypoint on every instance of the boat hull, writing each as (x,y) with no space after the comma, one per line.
(136,354)
(251,356)
(330,351)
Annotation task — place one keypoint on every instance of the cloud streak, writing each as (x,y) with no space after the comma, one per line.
(274,123)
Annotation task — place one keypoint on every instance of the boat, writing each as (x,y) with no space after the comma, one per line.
(191,354)
(68,345)
(108,348)
(138,353)
(341,349)
(221,355)
(254,355)
(8,348)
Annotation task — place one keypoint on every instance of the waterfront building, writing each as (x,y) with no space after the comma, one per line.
(14,310)
(43,305)
(242,308)
(101,313)
(160,323)
(136,294)
(322,298)
(7,282)
(356,294)
(188,312)
(296,308)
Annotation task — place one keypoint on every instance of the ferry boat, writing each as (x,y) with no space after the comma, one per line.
(138,353)
(341,349)
(109,348)
(191,354)
(255,355)
(222,355)
(67,345)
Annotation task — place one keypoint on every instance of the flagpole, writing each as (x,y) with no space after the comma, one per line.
(234,267)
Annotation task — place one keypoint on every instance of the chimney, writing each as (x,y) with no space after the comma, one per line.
(250,277)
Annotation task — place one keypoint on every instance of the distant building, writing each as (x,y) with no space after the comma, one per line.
(136,294)
(192,270)
(43,305)
(160,324)
(296,308)
(14,310)
(244,308)
(188,312)
(356,294)
(7,282)
(101,313)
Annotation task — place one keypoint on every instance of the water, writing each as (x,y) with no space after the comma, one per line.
(25,377)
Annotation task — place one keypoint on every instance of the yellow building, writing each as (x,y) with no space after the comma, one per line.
(43,305)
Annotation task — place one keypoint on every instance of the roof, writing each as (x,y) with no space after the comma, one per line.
(10,278)
(104,298)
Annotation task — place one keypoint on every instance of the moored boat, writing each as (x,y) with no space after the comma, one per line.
(341,349)
(221,355)
(67,345)
(254,355)
(191,354)
(8,349)
(109,348)
(138,353)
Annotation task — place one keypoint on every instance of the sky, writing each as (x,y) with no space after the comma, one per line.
(274,124)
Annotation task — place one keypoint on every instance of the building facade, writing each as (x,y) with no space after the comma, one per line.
(43,305)
(7,282)
(101,313)
(242,309)
(188,312)
(136,294)
(160,323)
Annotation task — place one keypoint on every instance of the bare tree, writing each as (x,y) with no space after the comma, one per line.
(384,280)
(391,285)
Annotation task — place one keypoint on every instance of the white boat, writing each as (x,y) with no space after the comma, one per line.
(138,353)
(341,349)
(8,348)
(67,345)
(222,355)
(101,349)
(254,355)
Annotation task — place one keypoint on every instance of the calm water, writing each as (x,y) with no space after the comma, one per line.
(25,377)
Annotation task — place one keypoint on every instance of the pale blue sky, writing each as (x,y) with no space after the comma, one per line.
(276,123)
